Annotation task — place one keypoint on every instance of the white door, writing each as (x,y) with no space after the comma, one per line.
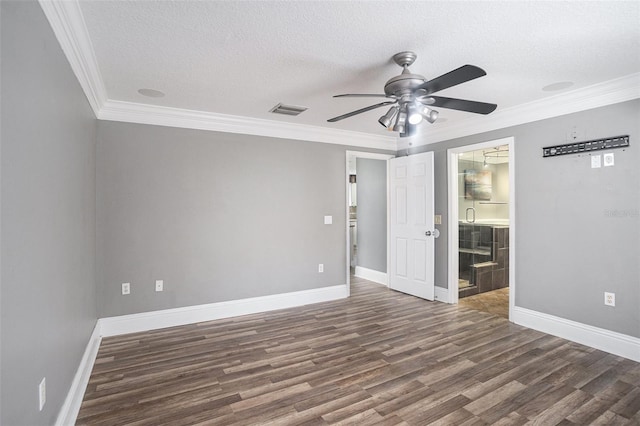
(411,225)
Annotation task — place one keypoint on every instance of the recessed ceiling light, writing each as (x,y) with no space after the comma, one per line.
(151,93)
(558,86)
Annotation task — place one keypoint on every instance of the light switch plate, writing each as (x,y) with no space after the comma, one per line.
(596,161)
(328,220)
(608,159)
(437,219)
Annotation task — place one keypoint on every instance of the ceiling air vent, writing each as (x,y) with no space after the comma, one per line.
(287,109)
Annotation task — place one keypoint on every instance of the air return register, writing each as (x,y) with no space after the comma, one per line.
(288,109)
(578,147)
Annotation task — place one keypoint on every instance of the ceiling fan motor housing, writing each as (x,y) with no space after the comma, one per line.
(403,84)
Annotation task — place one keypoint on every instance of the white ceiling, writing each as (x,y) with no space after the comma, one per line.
(243,57)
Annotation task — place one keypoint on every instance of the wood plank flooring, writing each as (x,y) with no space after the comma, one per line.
(379,357)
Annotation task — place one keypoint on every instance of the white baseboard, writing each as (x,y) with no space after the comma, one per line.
(442,294)
(609,341)
(179,316)
(145,321)
(599,338)
(71,406)
(372,275)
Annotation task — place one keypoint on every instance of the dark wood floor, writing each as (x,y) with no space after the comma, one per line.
(379,357)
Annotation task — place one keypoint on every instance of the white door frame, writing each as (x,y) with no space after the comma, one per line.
(373,156)
(452,180)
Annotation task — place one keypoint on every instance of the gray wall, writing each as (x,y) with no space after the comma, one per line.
(217,216)
(372,213)
(48,218)
(578,229)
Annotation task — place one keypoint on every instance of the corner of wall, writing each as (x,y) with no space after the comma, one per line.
(372,275)
(71,406)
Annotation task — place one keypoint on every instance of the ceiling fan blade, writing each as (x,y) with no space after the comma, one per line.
(359,111)
(452,78)
(361,95)
(464,105)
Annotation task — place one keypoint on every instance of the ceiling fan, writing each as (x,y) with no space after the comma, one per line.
(412,98)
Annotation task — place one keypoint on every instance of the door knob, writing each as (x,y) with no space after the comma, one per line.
(435,233)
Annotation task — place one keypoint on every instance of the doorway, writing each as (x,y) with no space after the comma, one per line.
(367,208)
(482,226)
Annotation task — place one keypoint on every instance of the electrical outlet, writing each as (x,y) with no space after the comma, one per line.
(596,161)
(42,392)
(609,299)
(126,288)
(320,267)
(159,285)
(608,159)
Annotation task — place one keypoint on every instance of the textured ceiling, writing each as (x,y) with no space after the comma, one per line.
(244,57)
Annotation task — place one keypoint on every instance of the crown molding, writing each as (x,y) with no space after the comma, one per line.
(191,119)
(67,22)
(598,95)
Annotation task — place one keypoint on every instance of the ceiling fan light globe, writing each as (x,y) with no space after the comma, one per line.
(400,121)
(415,118)
(431,116)
(386,119)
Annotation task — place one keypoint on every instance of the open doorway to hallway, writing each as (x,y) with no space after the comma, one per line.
(367,216)
(480,226)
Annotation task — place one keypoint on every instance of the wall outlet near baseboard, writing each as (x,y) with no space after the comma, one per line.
(609,299)
(126,288)
(42,392)
(159,285)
